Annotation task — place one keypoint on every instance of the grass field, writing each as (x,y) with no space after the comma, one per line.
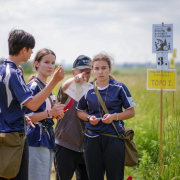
(146,125)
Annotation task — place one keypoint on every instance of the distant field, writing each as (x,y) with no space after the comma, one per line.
(146,126)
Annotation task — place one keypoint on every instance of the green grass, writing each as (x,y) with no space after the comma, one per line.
(146,125)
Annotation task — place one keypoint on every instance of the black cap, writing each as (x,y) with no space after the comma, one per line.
(82,62)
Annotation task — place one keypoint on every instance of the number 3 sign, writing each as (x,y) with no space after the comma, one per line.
(162,61)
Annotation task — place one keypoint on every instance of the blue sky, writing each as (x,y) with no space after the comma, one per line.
(122,28)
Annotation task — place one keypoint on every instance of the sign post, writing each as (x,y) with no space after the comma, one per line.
(172,94)
(162,78)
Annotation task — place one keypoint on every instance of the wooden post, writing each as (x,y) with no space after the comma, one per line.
(161,125)
(172,103)
(161,129)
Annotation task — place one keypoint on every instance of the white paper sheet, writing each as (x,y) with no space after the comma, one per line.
(77,90)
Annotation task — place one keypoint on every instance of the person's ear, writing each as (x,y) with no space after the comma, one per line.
(110,69)
(73,72)
(36,63)
(23,50)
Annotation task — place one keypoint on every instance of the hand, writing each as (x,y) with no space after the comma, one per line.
(80,78)
(93,120)
(107,118)
(58,117)
(29,122)
(57,110)
(58,74)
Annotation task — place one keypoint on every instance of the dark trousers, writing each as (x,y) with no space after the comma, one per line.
(23,172)
(67,162)
(104,154)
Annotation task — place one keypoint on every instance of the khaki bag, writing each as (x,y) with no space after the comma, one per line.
(11,150)
(131,153)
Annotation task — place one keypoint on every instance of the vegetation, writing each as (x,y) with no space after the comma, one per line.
(146,125)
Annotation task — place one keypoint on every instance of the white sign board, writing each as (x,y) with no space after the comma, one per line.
(162,61)
(162,38)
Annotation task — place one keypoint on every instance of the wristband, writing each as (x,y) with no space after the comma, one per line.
(47,113)
(88,118)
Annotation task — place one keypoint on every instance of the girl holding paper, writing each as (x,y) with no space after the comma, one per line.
(104,151)
(41,138)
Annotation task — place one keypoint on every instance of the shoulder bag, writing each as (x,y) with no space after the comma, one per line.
(11,151)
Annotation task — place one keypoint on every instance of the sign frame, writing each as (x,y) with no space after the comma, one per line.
(162,40)
(174,89)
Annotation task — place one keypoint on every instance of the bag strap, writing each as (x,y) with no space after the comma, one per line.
(100,98)
(104,107)
(42,87)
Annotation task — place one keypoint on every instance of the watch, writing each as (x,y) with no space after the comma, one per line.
(88,117)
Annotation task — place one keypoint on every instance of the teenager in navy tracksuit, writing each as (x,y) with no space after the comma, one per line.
(41,139)
(14,94)
(105,153)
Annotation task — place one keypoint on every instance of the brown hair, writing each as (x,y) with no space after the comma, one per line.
(40,54)
(103,57)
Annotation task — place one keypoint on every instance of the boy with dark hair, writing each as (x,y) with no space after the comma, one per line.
(14,94)
(19,39)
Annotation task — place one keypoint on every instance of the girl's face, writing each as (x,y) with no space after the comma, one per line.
(101,70)
(46,65)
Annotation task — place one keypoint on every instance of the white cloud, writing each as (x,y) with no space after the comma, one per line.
(74,27)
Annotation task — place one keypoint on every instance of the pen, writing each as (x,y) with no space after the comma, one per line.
(57,116)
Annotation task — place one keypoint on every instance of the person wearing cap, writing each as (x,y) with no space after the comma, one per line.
(69,130)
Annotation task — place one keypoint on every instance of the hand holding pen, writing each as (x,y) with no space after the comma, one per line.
(57,110)
(60,116)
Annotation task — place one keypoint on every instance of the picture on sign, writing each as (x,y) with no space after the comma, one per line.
(162,38)
(161,80)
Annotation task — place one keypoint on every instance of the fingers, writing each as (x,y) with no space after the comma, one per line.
(106,115)
(59,73)
(80,78)
(58,109)
(58,68)
(60,105)
(62,71)
(83,76)
(107,119)
(59,116)
(27,118)
(77,78)
(29,122)
(93,120)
